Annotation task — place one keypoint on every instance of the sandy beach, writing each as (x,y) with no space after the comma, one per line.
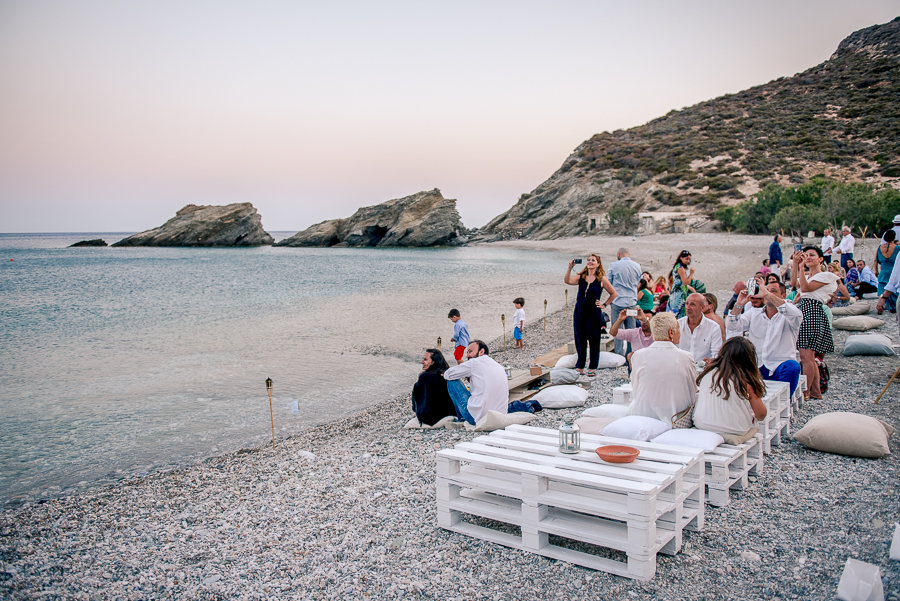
(347,509)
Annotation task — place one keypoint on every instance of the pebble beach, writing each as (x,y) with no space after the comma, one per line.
(346,510)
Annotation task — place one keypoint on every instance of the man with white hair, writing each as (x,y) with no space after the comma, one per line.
(896,229)
(845,248)
(624,275)
(700,336)
(663,378)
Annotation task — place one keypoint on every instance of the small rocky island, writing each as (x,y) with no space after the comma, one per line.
(95,242)
(236,224)
(422,219)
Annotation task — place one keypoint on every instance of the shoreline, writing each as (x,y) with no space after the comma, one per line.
(347,508)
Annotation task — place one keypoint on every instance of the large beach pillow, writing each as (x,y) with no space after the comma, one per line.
(857,323)
(593,425)
(608,359)
(849,434)
(614,411)
(636,427)
(567,362)
(690,437)
(858,308)
(868,344)
(494,420)
(560,397)
(562,375)
(415,424)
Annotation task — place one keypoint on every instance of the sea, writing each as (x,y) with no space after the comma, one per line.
(121,362)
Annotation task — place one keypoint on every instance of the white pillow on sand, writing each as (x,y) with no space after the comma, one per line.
(690,437)
(593,425)
(415,424)
(613,411)
(567,362)
(636,427)
(560,397)
(497,421)
(559,375)
(610,360)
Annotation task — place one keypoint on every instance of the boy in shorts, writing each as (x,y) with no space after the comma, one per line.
(519,322)
(460,335)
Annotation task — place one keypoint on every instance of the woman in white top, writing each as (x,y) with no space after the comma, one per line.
(816,287)
(734,370)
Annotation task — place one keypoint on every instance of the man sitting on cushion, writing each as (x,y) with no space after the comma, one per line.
(773,330)
(663,376)
(700,336)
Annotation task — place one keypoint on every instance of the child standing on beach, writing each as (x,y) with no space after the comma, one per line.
(460,335)
(519,322)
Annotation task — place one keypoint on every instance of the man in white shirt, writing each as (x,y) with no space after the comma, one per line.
(700,336)
(896,229)
(845,248)
(663,378)
(773,330)
(827,245)
(487,380)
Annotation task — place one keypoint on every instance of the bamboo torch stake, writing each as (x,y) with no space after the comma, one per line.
(545,314)
(271,413)
(503,321)
(567,301)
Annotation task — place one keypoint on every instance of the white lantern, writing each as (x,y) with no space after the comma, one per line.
(508,371)
(569,436)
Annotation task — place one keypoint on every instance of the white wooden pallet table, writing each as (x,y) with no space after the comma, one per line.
(518,476)
(777,423)
(622,394)
(729,467)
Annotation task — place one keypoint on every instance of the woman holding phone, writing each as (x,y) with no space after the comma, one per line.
(587,320)
(816,287)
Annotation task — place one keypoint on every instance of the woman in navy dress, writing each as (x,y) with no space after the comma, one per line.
(591,283)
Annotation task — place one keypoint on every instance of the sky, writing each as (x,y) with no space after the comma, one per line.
(113,115)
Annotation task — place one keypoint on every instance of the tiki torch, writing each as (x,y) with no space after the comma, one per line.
(271,413)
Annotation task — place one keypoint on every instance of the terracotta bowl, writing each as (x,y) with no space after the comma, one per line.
(618,454)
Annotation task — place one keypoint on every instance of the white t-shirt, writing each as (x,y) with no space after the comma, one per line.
(487,383)
(823,293)
(846,245)
(662,381)
(704,342)
(716,414)
(519,316)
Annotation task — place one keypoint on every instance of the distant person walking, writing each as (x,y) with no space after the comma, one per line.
(624,275)
(827,245)
(460,335)
(587,319)
(775,256)
(680,284)
(884,266)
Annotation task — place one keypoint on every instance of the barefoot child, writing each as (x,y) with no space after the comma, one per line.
(519,322)
(460,335)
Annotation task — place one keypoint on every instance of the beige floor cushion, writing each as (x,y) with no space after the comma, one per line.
(593,425)
(868,344)
(494,420)
(859,308)
(843,433)
(857,323)
(736,439)
(415,424)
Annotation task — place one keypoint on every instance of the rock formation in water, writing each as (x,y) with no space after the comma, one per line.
(95,242)
(236,224)
(423,219)
(838,118)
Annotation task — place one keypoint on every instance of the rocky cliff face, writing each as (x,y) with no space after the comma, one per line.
(423,219)
(837,119)
(236,224)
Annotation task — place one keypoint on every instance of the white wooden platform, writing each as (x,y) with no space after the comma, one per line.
(777,423)
(518,477)
(729,467)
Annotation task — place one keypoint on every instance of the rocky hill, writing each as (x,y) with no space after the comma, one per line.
(422,219)
(236,224)
(839,118)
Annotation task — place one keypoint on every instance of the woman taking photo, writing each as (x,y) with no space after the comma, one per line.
(587,321)
(735,371)
(680,284)
(430,399)
(816,287)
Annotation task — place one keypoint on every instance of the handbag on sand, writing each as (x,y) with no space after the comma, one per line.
(684,418)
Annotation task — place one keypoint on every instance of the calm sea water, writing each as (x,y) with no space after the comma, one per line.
(118,361)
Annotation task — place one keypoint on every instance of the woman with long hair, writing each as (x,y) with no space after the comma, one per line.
(841,296)
(587,318)
(660,286)
(884,265)
(430,399)
(644,297)
(680,284)
(816,287)
(711,311)
(731,390)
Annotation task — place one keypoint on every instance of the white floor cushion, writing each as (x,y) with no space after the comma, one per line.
(415,424)
(690,437)
(560,397)
(608,360)
(868,344)
(593,425)
(636,427)
(567,362)
(497,421)
(613,411)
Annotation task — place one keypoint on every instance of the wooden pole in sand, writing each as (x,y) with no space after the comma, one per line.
(271,413)
(545,314)
(891,381)
(567,301)
(503,321)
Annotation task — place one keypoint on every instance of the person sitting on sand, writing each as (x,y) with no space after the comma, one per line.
(733,371)
(868,282)
(773,330)
(700,336)
(638,338)
(430,400)
(662,377)
(488,391)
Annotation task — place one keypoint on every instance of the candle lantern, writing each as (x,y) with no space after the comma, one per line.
(439,343)
(569,436)
(508,371)
(545,314)
(272,413)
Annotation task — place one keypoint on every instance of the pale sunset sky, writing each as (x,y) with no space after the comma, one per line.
(113,115)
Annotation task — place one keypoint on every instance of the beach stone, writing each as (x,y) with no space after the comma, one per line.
(751,556)
(212,579)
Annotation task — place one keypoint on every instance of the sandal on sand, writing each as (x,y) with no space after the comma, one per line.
(591,373)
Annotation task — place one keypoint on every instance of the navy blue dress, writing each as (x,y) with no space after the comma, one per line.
(587,321)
